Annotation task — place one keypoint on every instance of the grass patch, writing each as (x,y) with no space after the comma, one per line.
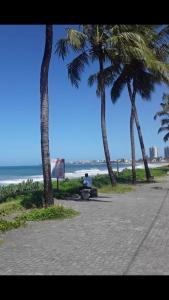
(11,205)
(38,214)
(66,188)
(126,176)
(1,242)
(161,171)
(52,212)
(119,188)
(7,225)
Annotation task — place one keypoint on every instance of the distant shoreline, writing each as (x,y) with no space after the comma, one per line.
(91,170)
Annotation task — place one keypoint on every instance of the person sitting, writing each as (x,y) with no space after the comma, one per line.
(87,182)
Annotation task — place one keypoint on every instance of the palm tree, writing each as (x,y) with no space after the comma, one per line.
(138,81)
(137,76)
(91,45)
(164,112)
(132,141)
(100,43)
(48,196)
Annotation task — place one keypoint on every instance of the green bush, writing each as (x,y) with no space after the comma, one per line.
(51,212)
(66,188)
(7,225)
(101,180)
(33,200)
(38,214)
(11,205)
(13,190)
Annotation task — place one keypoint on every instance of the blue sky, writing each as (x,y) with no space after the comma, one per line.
(74,126)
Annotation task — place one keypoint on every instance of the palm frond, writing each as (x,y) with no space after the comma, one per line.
(118,86)
(166,137)
(76,39)
(161,113)
(116,29)
(158,68)
(166,98)
(164,122)
(93,79)
(76,67)
(62,48)
(163,128)
(125,39)
(164,33)
(144,82)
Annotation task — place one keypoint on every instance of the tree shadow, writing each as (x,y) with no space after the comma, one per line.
(157,188)
(81,200)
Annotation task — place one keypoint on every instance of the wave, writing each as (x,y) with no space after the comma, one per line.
(76,174)
(20,180)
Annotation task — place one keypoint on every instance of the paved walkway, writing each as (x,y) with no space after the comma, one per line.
(117,234)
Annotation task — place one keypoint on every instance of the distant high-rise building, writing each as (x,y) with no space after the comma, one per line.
(166,152)
(154,153)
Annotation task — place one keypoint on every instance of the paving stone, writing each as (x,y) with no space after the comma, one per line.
(117,234)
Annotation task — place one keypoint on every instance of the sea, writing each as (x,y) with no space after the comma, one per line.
(17,174)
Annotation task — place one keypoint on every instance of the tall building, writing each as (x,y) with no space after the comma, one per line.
(154,153)
(166,152)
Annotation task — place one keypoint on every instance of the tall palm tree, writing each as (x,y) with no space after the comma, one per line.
(164,112)
(48,196)
(91,45)
(138,81)
(132,141)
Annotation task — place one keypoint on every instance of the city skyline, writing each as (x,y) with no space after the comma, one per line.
(153,152)
(166,152)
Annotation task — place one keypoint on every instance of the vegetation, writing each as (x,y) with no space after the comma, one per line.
(164,112)
(140,174)
(125,177)
(142,66)
(12,190)
(119,188)
(7,225)
(12,205)
(52,212)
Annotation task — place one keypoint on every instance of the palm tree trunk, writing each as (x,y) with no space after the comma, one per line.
(103,128)
(48,196)
(133,156)
(132,146)
(147,170)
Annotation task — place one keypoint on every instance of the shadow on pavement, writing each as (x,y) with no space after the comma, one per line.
(81,200)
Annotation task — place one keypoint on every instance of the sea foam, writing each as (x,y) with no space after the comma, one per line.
(77,174)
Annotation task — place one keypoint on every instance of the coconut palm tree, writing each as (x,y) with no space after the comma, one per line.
(44,127)
(138,81)
(91,45)
(101,43)
(137,76)
(164,121)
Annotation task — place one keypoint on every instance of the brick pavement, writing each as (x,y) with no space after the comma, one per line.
(117,234)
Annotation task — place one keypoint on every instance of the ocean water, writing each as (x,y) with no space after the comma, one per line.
(17,174)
